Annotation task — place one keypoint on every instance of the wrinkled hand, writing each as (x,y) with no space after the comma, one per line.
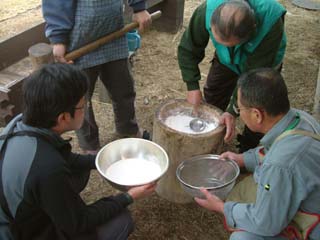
(194,97)
(211,202)
(142,191)
(59,51)
(238,158)
(228,120)
(144,20)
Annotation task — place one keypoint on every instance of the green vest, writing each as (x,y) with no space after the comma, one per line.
(267,14)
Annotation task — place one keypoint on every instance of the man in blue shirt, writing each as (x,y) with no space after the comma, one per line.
(281,200)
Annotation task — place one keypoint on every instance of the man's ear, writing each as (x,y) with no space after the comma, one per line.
(258,115)
(63,119)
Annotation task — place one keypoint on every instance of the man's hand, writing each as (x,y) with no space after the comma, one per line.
(144,20)
(59,51)
(238,158)
(211,202)
(194,97)
(228,120)
(142,191)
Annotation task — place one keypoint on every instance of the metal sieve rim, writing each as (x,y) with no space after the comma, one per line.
(207,156)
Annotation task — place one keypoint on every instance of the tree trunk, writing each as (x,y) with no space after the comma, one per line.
(181,146)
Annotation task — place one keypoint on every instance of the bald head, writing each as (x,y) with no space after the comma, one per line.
(235,20)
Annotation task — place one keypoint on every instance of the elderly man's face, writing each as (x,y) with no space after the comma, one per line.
(231,42)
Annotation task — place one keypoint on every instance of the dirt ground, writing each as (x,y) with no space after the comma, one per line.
(158,79)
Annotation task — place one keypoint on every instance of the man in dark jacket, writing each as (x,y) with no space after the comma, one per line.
(41,178)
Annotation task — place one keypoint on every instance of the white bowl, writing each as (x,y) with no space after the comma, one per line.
(132,149)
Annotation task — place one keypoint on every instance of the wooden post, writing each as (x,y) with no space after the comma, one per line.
(181,146)
(40,53)
(172,16)
(316,108)
(10,96)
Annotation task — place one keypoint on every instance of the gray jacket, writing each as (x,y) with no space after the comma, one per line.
(291,168)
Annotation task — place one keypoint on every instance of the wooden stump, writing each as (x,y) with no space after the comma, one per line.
(181,146)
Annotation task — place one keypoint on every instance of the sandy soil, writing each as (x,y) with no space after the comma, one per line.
(158,79)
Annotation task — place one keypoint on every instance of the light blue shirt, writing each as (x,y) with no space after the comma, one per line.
(291,167)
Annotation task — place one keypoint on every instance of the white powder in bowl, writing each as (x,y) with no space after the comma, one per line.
(133,171)
(181,123)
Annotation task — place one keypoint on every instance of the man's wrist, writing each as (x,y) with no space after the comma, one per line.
(220,207)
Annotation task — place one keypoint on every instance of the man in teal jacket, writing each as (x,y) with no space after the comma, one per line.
(246,35)
(281,199)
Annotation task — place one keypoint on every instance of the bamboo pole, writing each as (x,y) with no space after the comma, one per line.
(101,41)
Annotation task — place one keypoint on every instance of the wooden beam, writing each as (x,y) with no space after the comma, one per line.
(16,48)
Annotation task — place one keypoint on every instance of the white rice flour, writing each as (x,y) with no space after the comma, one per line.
(181,123)
(133,171)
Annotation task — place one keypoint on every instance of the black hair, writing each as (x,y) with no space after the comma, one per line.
(264,89)
(50,91)
(240,23)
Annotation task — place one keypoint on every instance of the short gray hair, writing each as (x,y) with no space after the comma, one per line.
(240,23)
(264,88)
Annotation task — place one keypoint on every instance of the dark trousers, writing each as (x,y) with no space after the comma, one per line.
(118,228)
(117,79)
(221,83)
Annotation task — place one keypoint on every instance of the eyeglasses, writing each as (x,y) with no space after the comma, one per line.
(239,109)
